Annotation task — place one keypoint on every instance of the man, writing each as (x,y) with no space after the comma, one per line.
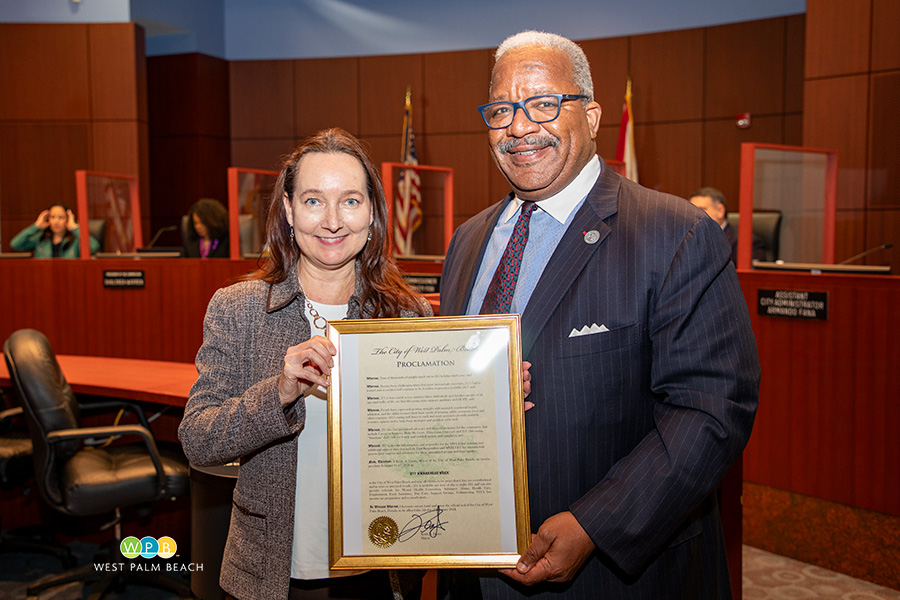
(644,371)
(712,201)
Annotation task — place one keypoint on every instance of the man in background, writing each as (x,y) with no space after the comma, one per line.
(713,202)
(644,369)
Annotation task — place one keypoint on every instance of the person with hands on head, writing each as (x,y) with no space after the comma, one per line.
(265,365)
(644,370)
(54,234)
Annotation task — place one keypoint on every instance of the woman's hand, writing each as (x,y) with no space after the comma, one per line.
(526,383)
(71,224)
(43,220)
(306,365)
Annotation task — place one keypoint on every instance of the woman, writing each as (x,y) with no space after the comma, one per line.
(207,230)
(264,368)
(54,234)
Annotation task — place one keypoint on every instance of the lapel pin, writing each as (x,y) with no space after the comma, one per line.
(592,236)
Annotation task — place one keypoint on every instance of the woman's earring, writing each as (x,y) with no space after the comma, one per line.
(370,235)
(292,234)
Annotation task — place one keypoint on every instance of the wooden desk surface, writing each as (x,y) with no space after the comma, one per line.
(156,381)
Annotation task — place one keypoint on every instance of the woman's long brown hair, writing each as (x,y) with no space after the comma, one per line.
(385,292)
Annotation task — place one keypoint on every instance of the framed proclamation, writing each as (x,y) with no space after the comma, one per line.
(426,443)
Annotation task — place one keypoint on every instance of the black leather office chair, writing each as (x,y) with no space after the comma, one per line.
(97,229)
(78,480)
(766,228)
(15,472)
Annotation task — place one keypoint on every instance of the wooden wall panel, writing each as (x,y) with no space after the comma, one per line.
(885,41)
(123,147)
(327,94)
(116,147)
(162,321)
(449,102)
(140,68)
(609,59)
(667,76)
(114,81)
(261,96)
(884,141)
(468,155)
(190,144)
(793,130)
(75,103)
(38,61)
(187,169)
(875,482)
(368,93)
(387,148)
(607,141)
(795,43)
(826,396)
(722,152)
(883,226)
(744,68)
(382,93)
(209,96)
(188,95)
(837,37)
(834,117)
(28,185)
(680,144)
(260,154)
(850,233)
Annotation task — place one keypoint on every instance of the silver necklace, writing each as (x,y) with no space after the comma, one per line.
(315,314)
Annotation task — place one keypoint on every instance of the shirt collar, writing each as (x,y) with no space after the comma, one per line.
(560,205)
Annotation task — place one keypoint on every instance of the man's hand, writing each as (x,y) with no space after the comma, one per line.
(557,552)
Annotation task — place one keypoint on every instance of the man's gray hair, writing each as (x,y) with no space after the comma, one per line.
(581,70)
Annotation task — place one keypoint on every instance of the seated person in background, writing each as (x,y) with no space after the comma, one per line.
(54,234)
(713,202)
(264,367)
(207,231)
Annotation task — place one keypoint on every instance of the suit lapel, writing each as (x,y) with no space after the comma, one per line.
(571,255)
(480,234)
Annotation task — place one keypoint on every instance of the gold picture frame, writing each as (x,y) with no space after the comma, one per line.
(426,443)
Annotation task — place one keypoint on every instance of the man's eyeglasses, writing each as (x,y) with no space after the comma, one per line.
(538,109)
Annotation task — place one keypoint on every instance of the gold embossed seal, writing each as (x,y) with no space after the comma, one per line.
(383,532)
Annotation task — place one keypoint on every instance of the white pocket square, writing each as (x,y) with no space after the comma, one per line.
(589,330)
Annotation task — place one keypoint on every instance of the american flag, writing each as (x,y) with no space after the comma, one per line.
(625,149)
(408,204)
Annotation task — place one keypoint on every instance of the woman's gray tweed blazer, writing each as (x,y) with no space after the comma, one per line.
(234,413)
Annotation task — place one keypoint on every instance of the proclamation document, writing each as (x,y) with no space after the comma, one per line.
(426,443)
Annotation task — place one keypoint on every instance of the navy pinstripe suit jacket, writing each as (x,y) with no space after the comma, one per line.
(632,427)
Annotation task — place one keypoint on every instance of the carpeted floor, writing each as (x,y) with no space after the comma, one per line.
(771,576)
(766,576)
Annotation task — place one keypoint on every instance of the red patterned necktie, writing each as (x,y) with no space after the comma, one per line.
(500,292)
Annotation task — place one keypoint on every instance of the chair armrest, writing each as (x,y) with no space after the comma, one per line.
(9,413)
(144,433)
(111,405)
(7,416)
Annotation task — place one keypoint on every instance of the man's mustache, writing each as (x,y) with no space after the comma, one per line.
(532,140)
